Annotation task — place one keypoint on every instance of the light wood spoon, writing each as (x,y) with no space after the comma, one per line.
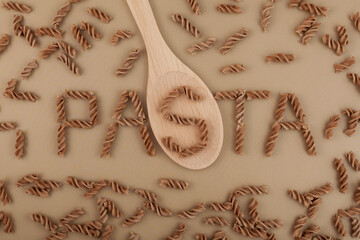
(166,73)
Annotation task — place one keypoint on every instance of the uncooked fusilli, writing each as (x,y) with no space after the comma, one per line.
(137,217)
(52,32)
(90,30)
(355,18)
(233,68)
(102,16)
(231,41)
(346,64)
(19,7)
(192,212)
(173,183)
(128,63)
(120,35)
(342,175)
(79,37)
(201,46)
(186,24)
(4,42)
(331,125)
(229,8)
(280,58)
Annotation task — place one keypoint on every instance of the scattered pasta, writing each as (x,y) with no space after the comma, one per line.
(173,183)
(129,63)
(28,70)
(130,221)
(346,64)
(19,7)
(195,7)
(90,30)
(80,38)
(4,42)
(102,16)
(280,58)
(331,125)
(231,41)
(355,18)
(229,8)
(120,35)
(201,46)
(48,31)
(185,23)
(342,175)
(233,68)
(266,15)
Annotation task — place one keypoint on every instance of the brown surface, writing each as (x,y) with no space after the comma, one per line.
(322,93)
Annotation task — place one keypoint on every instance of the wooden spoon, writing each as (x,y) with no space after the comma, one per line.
(166,73)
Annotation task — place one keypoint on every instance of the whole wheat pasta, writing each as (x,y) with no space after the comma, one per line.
(294,3)
(186,24)
(133,236)
(62,57)
(342,175)
(352,123)
(192,212)
(79,183)
(331,125)
(61,14)
(48,31)
(128,63)
(19,7)
(137,217)
(298,225)
(296,125)
(146,194)
(19,144)
(27,179)
(257,94)
(310,231)
(174,94)
(357,195)
(239,138)
(231,41)
(146,139)
(314,207)
(346,64)
(47,52)
(4,196)
(78,124)
(98,185)
(75,94)
(323,237)
(318,192)
(305,25)
(200,236)
(163,212)
(354,163)
(294,102)
(17,25)
(235,207)
(6,126)
(309,141)
(195,7)
(94,224)
(48,184)
(12,93)
(110,207)
(229,8)
(253,205)
(76,32)
(355,227)
(350,212)
(333,44)
(29,35)
(271,142)
(173,183)
(220,221)
(216,206)
(348,111)
(299,197)
(339,227)
(60,109)
(66,48)
(62,234)
(342,33)
(355,18)
(102,16)
(233,68)
(90,30)
(243,222)
(313,9)
(269,224)
(61,140)
(4,42)
(354,78)
(28,70)
(38,192)
(280,110)
(45,221)
(5,220)
(266,15)
(81,228)
(71,216)
(118,188)
(120,35)
(280,58)
(109,140)
(251,190)
(179,231)
(107,233)
(201,46)
(314,28)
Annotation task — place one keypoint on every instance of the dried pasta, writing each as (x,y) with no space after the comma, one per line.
(342,33)
(355,228)
(220,206)
(179,231)
(120,35)
(5,220)
(146,194)
(333,44)
(81,228)
(266,15)
(310,231)
(17,25)
(19,144)
(342,175)
(313,207)
(229,8)
(102,16)
(62,234)
(253,205)
(350,212)
(235,207)
(233,68)
(188,92)
(129,63)
(62,57)
(29,35)
(354,163)
(173,183)
(38,192)
(107,233)
(61,14)
(201,46)
(294,3)
(118,188)
(354,78)
(338,225)
(251,190)
(28,70)
(195,6)
(19,7)
(357,195)
(66,48)
(110,207)
(298,225)
(12,93)
(96,189)
(318,192)
(27,179)
(299,197)
(134,236)
(4,42)
(309,33)
(305,25)
(231,41)
(137,217)
(200,236)
(352,123)
(45,221)
(48,31)
(355,19)
(4,196)
(313,9)
(280,58)
(346,64)
(76,32)
(220,221)
(47,52)
(331,125)
(186,24)
(90,30)
(163,212)
(193,212)
(71,216)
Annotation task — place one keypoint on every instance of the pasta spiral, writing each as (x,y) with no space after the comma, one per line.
(251,190)
(19,7)
(110,207)
(280,58)
(66,48)
(137,217)
(186,24)
(299,197)
(235,207)
(318,192)
(79,183)
(201,46)
(179,231)
(146,139)
(220,206)
(146,194)
(310,231)
(305,25)
(163,212)
(81,228)
(95,189)
(354,163)
(229,8)
(274,134)
(4,196)
(120,35)
(25,180)
(193,212)
(350,212)
(331,125)
(308,34)
(220,221)
(266,15)
(19,144)
(352,123)
(69,63)
(297,125)
(294,3)
(129,63)
(313,9)
(28,70)
(173,183)
(48,184)
(253,205)
(107,233)
(355,228)
(80,38)
(134,236)
(61,140)
(354,78)
(29,35)
(231,41)
(118,188)
(357,195)
(298,225)
(12,93)
(6,221)
(233,68)
(47,52)
(195,7)
(333,44)
(200,236)
(90,30)
(269,224)
(309,141)
(355,18)
(338,225)
(109,140)
(6,126)
(314,207)
(102,16)
(342,33)
(61,14)
(164,106)
(52,32)
(38,192)
(17,25)
(62,234)
(346,64)
(342,175)
(45,221)
(71,216)
(4,42)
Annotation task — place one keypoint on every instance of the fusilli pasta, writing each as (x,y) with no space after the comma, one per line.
(195,7)
(19,144)
(355,18)
(28,70)
(331,125)
(79,37)
(120,35)
(192,212)
(102,16)
(233,68)
(186,24)
(4,196)
(346,64)
(354,163)
(179,231)
(129,63)
(62,57)
(52,32)
(231,41)
(280,58)
(229,8)
(90,30)
(173,183)
(342,175)
(4,42)
(266,15)
(163,212)
(19,7)
(201,46)
(137,217)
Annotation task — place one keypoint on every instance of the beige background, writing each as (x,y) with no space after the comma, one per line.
(322,93)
